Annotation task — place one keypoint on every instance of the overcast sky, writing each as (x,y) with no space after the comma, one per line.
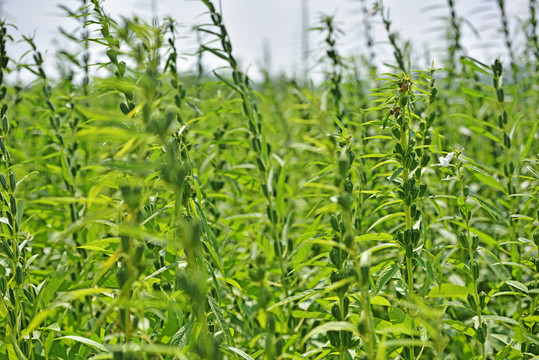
(278,24)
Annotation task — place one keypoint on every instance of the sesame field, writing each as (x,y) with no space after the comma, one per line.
(387,210)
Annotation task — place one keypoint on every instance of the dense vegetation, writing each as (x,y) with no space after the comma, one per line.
(148,213)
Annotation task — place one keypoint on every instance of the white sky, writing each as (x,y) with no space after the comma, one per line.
(278,23)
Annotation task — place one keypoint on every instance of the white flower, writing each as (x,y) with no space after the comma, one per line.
(444,161)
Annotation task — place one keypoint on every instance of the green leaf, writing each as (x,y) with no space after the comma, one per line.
(220,319)
(449,290)
(331,326)
(56,281)
(239,352)
(85,341)
(385,276)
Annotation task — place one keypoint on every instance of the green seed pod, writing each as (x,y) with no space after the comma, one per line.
(499,94)
(409,251)
(472,302)
(466,191)
(3,284)
(505,117)
(415,192)
(475,242)
(334,223)
(19,278)
(506,141)
(413,210)
(474,267)
(408,200)
(537,265)
(346,306)
(334,339)
(425,159)
(29,295)
(398,149)
(260,165)
(3,146)
(400,237)
(463,240)
(336,312)
(481,333)
(12,181)
(3,182)
(50,105)
(13,205)
(346,338)
(12,317)
(124,108)
(126,244)
(335,257)
(500,122)
(422,189)
(5,124)
(417,215)
(536,239)
(7,250)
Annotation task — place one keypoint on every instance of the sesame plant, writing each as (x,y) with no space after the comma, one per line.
(151,209)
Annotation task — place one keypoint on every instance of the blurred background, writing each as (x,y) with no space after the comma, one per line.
(274,35)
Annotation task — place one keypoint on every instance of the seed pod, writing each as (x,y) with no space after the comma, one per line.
(506,141)
(475,242)
(3,182)
(466,191)
(505,117)
(335,257)
(500,122)
(126,244)
(12,317)
(260,165)
(19,278)
(408,200)
(413,210)
(499,94)
(3,146)
(472,302)
(400,237)
(415,192)
(425,159)
(334,223)
(334,339)
(417,215)
(12,181)
(336,312)
(422,189)
(409,251)
(463,240)
(5,124)
(398,149)
(474,267)
(124,108)
(29,295)
(481,333)
(346,306)
(13,205)
(536,239)
(3,284)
